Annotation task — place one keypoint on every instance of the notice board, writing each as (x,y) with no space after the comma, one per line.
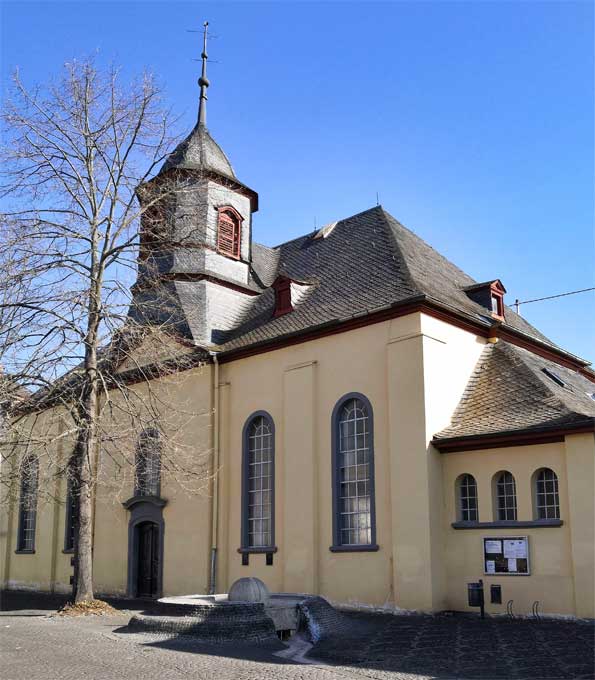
(506,555)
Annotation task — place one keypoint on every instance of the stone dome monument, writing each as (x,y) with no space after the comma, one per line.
(248,589)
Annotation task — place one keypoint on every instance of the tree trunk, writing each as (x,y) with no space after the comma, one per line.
(83,574)
(87,425)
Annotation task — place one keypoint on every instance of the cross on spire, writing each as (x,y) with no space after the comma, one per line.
(203,81)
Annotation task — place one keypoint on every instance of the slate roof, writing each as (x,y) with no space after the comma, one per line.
(199,151)
(368,262)
(510,392)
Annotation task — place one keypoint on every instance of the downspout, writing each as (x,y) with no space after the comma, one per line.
(215,515)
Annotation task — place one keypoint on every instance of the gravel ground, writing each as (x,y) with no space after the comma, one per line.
(37,646)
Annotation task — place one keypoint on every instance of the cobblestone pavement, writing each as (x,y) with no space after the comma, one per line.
(384,646)
(35,646)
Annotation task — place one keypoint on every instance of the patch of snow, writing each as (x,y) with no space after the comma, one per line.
(297,648)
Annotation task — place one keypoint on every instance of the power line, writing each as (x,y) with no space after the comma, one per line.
(518,302)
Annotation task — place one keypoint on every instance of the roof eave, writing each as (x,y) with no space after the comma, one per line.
(499,329)
(522,437)
(211,174)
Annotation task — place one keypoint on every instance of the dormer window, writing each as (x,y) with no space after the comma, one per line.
(282,287)
(229,229)
(489,295)
(497,305)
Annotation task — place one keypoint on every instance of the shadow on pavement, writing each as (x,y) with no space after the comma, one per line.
(440,647)
(33,603)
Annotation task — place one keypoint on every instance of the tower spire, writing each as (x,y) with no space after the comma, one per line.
(203,81)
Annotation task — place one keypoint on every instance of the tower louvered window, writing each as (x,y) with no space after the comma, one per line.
(228,233)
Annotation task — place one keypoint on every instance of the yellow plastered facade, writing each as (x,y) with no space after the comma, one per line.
(413,370)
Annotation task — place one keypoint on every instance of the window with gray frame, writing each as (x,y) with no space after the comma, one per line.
(506,497)
(28,504)
(258,483)
(353,454)
(547,501)
(467,487)
(71,506)
(148,464)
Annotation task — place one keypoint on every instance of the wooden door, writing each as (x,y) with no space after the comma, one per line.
(148,560)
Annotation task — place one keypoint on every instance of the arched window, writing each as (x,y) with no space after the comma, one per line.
(28,503)
(467,498)
(72,506)
(228,232)
(505,497)
(148,464)
(353,474)
(258,482)
(546,499)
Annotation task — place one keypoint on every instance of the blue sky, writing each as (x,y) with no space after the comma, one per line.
(472,120)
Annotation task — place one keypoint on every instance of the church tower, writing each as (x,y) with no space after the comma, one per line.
(194,271)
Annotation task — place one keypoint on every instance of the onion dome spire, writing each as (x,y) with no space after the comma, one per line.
(203,81)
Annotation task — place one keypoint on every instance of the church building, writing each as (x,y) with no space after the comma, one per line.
(381,428)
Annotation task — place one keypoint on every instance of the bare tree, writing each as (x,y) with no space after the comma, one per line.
(74,157)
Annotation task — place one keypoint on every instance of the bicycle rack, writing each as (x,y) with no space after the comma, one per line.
(535,610)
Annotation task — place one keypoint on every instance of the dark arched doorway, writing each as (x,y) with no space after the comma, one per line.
(145,546)
(148,554)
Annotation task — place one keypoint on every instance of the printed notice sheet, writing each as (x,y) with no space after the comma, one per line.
(494,546)
(512,564)
(491,566)
(515,549)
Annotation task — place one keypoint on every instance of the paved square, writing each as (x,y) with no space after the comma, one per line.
(37,646)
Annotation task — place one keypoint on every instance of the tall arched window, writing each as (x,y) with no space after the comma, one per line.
(546,499)
(28,503)
(229,225)
(354,525)
(258,482)
(505,497)
(72,506)
(466,487)
(148,464)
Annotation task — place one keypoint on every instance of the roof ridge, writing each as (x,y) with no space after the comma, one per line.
(397,248)
(510,352)
(417,237)
(487,355)
(344,219)
(506,392)
(540,375)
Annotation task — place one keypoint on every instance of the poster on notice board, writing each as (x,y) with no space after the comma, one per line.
(506,555)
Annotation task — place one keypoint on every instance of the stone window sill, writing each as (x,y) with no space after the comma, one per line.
(509,524)
(373,547)
(24,552)
(258,551)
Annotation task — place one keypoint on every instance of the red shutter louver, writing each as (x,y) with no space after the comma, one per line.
(228,234)
(282,296)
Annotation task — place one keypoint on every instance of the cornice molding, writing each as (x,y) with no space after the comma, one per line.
(507,439)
